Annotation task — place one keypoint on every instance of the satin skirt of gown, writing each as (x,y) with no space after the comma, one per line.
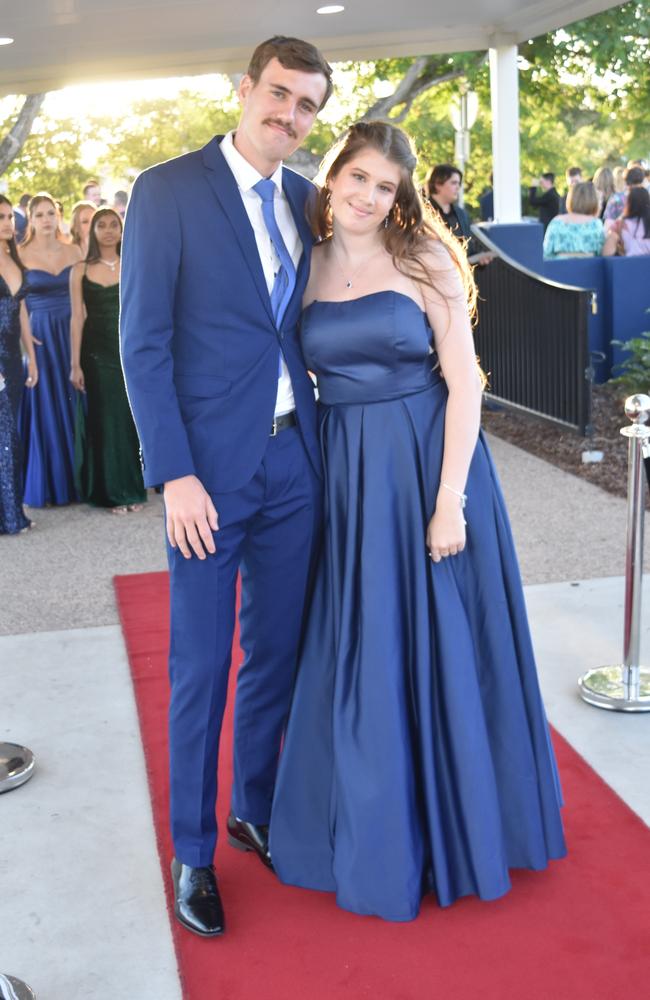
(12,515)
(108,471)
(47,413)
(417,755)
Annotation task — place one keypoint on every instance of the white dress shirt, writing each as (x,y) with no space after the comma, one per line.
(246,176)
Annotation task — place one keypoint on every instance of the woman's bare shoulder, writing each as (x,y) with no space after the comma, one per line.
(437,255)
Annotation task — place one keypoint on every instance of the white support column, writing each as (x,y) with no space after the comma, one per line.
(504,93)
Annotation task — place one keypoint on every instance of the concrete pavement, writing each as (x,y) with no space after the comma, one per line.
(82,910)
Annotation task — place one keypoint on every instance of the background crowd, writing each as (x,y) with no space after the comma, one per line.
(605,215)
(66,431)
(70,436)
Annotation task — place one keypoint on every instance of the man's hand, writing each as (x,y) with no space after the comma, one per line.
(191,517)
(481,259)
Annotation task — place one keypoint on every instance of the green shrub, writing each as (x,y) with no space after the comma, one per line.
(635,370)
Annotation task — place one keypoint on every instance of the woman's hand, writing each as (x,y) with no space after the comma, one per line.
(77,378)
(446,532)
(32,374)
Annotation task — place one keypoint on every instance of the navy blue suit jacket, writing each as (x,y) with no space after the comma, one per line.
(198,340)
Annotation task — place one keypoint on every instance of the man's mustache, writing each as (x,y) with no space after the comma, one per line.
(282,125)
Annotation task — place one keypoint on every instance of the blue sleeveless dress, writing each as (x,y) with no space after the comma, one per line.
(417,755)
(47,414)
(12,515)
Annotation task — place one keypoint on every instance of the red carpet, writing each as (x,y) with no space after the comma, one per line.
(578,931)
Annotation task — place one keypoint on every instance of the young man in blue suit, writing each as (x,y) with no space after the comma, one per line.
(215,260)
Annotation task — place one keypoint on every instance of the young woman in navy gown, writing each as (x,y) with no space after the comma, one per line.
(417,755)
(14,327)
(47,415)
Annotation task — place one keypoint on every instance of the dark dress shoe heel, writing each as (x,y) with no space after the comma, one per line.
(197,903)
(250,837)
(237,844)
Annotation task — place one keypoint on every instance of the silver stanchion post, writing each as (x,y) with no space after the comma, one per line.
(16,767)
(626,687)
(14,989)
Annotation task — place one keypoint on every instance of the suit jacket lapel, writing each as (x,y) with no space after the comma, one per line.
(297,205)
(225,188)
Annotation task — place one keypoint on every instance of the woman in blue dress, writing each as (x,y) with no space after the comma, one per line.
(417,755)
(47,415)
(14,326)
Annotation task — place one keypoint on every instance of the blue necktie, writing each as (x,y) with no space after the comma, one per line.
(285,279)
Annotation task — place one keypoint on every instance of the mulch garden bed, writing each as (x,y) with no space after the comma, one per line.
(564,448)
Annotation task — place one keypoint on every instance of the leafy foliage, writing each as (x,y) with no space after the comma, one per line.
(156,130)
(50,160)
(635,369)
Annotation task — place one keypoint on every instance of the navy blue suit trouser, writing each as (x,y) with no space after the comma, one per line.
(269,528)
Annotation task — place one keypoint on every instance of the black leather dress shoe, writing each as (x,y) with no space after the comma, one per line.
(197,903)
(249,837)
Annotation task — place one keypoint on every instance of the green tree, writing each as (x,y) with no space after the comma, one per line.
(156,130)
(49,160)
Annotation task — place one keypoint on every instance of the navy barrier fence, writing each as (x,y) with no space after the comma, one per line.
(533,341)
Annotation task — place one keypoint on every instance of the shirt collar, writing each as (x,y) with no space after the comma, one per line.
(244,172)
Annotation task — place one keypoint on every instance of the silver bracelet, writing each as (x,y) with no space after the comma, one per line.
(461,496)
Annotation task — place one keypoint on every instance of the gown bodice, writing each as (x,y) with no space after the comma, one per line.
(101,336)
(48,291)
(370,349)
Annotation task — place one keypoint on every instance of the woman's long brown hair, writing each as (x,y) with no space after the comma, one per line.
(11,243)
(412,224)
(77,209)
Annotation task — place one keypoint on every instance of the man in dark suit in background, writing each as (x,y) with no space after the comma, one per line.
(486,202)
(548,202)
(442,189)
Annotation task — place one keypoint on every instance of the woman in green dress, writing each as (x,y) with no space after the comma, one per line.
(107,449)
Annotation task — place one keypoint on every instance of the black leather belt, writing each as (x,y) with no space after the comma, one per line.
(281,423)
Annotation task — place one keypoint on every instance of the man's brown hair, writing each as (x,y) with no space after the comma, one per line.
(635,175)
(292,53)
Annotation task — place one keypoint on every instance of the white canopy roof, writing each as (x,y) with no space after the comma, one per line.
(60,42)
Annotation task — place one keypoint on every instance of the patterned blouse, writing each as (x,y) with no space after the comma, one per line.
(615,206)
(573,239)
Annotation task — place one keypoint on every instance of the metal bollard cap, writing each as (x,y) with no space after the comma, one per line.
(637,408)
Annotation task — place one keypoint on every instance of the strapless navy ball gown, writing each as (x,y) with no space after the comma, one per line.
(417,755)
(47,414)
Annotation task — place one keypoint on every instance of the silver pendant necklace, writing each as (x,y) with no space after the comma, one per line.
(109,263)
(349,282)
